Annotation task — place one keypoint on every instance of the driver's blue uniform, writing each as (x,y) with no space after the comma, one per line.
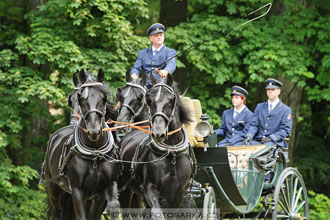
(146,61)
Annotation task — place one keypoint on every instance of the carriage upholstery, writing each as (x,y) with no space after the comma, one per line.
(239,156)
(194,105)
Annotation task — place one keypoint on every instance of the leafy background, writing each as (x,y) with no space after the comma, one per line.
(42,43)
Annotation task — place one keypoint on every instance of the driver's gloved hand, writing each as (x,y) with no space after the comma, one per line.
(247,141)
(265,140)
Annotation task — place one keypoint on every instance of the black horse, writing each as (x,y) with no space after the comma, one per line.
(79,159)
(132,106)
(59,198)
(163,161)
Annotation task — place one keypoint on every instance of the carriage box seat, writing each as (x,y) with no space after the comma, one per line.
(194,105)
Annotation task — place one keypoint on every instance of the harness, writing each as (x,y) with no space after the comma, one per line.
(140,110)
(162,150)
(168,119)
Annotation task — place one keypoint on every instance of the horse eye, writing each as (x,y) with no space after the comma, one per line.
(148,100)
(80,98)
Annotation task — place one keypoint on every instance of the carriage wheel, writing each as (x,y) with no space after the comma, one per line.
(290,196)
(209,204)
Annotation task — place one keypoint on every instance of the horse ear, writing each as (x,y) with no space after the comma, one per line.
(69,101)
(118,93)
(100,76)
(82,76)
(144,79)
(128,76)
(169,80)
(153,79)
(76,81)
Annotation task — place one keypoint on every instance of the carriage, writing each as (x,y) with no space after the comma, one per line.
(231,182)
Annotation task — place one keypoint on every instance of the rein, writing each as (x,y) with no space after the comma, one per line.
(75,113)
(133,126)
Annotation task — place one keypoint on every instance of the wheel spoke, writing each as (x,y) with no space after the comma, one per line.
(282,216)
(294,193)
(298,196)
(285,198)
(299,207)
(283,207)
(288,191)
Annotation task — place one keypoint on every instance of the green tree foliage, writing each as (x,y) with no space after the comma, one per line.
(291,42)
(42,44)
(319,206)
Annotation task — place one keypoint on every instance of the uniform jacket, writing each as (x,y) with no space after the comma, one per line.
(234,130)
(276,124)
(146,61)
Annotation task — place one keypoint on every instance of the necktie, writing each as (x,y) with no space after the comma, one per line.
(155,52)
(270,107)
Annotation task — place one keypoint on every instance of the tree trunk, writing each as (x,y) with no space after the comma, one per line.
(291,96)
(172,13)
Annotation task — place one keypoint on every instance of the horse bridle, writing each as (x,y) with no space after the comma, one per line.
(131,110)
(100,113)
(168,119)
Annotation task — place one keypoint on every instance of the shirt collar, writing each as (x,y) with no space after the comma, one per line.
(153,49)
(239,111)
(273,103)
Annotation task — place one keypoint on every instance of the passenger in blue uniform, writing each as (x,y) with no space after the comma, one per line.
(155,55)
(235,121)
(272,120)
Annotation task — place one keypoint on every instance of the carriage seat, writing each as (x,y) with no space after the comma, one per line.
(194,105)
(239,156)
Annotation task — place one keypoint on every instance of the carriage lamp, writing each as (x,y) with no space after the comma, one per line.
(204,129)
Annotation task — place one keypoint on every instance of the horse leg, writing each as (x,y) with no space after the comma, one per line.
(79,203)
(67,206)
(96,208)
(55,193)
(136,206)
(125,202)
(113,205)
(151,195)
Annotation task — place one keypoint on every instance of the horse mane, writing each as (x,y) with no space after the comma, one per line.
(185,114)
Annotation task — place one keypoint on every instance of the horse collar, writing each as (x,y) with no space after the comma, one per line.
(177,149)
(91,153)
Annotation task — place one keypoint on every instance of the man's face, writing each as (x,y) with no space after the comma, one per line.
(273,93)
(157,39)
(236,100)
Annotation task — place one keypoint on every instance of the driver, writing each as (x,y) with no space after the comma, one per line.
(155,55)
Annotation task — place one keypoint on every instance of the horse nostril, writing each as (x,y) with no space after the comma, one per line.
(162,136)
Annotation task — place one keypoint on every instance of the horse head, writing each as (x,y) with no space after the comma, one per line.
(92,99)
(167,113)
(131,98)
